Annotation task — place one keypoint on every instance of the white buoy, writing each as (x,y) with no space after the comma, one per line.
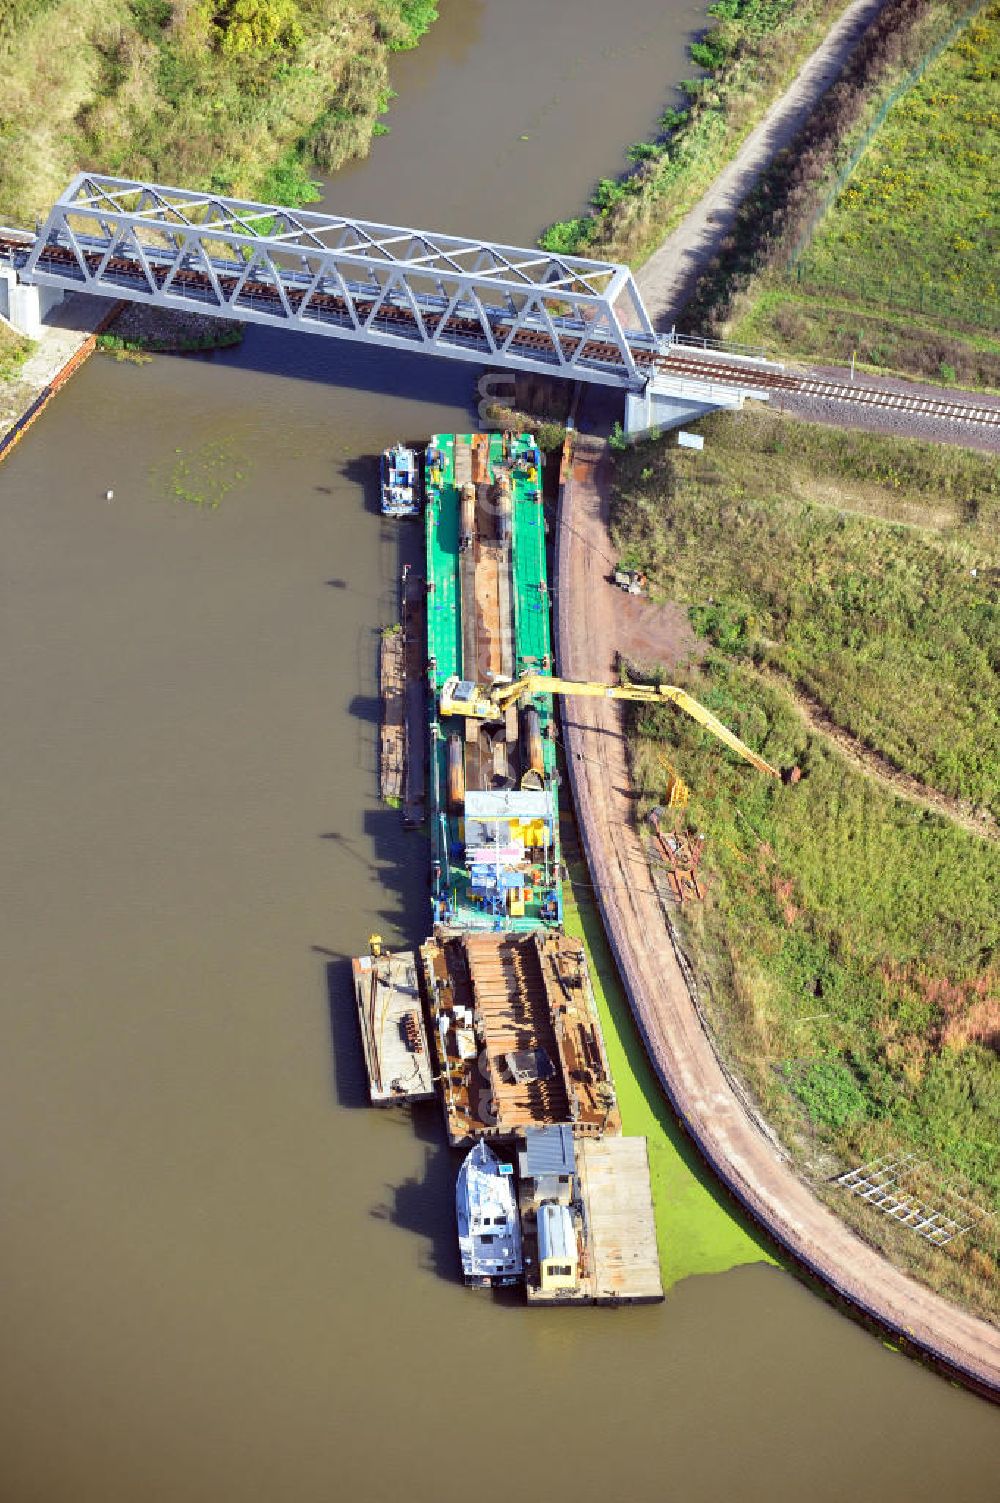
(109,495)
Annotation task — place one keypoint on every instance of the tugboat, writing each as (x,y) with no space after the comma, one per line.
(489,1232)
(400,485)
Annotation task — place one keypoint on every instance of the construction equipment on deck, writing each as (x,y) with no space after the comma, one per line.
(491,702)
(456,775)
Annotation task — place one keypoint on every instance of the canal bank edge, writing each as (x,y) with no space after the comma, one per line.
(71,348)
(678,1046)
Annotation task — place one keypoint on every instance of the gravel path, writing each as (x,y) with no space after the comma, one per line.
(668,277)
(676,1040)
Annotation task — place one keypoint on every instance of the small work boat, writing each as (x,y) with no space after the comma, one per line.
(489,1232)
(400,482)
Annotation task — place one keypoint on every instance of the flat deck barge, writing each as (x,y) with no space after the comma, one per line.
(393,1034)
(402,690)
(587,1223)
(392,741)
(516,1035)
(624,1267)
(413,612)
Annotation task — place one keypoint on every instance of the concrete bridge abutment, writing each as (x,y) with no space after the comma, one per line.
(659,408)
(24,305)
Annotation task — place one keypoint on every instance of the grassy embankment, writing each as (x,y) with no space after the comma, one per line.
(14,351)
(903,267)
(848,944)
(241,96)
(697,1230)
(748,56)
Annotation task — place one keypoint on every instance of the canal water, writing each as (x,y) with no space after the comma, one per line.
(223,1278)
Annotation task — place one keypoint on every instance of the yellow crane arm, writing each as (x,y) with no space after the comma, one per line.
(690,706)
(540,683)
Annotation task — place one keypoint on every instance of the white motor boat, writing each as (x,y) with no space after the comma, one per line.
(489,1231)
(400,482)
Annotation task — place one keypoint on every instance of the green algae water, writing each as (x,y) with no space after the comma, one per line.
(696,1228)
(224,1277)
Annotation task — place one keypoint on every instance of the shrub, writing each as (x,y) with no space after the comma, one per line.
(830,1094)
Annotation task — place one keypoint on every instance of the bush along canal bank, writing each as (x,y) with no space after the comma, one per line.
(14,351)
(868,236)
(140,330)
(848,940)
(748,56)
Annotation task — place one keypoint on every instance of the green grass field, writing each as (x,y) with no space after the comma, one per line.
(698,1230)
(904,268)
(848,945)
(863,569)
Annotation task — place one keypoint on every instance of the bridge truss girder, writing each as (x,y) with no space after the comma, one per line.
(475,300)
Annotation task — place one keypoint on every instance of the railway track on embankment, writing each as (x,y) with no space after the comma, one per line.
(722,372)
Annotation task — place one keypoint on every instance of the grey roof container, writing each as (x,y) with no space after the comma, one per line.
(547,1150)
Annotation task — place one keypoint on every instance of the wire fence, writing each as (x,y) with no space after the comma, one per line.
(858,281)
(857,278)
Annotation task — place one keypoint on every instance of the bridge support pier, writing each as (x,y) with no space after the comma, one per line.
(24,305)
(658,410)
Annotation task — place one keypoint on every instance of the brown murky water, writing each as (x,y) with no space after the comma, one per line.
(223,1278)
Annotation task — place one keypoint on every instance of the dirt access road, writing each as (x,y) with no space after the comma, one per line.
(678,1046)
(667,279)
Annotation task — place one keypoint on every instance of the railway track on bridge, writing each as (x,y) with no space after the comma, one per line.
(121,274)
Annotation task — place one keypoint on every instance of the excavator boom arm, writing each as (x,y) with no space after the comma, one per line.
(690,706)
(540,683)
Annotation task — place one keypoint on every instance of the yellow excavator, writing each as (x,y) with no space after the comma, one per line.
(491,703)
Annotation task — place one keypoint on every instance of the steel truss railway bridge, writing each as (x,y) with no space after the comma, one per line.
(383,285)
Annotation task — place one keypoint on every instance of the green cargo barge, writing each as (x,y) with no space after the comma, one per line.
(493,787)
